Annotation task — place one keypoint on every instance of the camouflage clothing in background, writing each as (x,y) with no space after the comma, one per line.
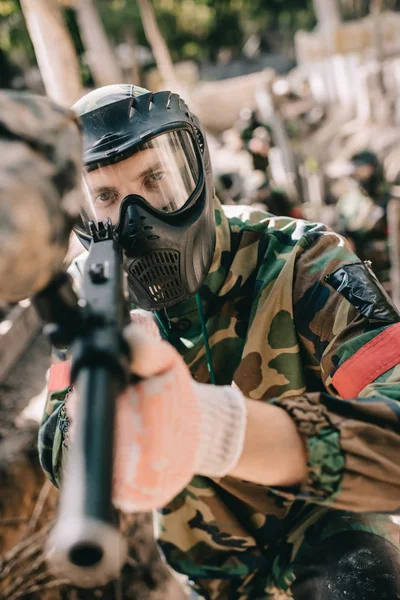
(288,307)
(363,219)
(40,190)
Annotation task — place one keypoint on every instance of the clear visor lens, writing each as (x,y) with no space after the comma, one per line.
(164,171)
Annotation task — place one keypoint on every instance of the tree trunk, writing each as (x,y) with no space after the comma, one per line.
(327,13)
(131,41)
(158,45)
(54,50)
(376,8)
(394,245)
(100,55)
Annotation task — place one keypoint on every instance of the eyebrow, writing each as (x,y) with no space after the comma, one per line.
(150,170)
(142,174)
(101,189)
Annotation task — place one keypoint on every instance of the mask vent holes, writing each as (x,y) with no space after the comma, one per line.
(200,139)
(158,273)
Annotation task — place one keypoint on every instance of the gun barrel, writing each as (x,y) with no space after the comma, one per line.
(85,546)
(86,552)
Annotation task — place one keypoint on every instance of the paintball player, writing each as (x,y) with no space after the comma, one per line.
(260,187)
(362,214)
(265,426)
(262,195)
(256,138)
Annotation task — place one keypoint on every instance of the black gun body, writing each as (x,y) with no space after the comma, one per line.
(100,371)
(85,544)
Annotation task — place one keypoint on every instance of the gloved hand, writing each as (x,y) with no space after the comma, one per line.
(169,428)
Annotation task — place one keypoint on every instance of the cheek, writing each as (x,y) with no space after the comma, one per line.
(114,213)
(156,199)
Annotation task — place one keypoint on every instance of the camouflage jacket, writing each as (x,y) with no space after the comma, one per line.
(294,318)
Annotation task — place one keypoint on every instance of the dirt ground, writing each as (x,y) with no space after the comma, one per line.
(25,381)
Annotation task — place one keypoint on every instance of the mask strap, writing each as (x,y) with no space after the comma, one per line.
(165,335)
(205,338)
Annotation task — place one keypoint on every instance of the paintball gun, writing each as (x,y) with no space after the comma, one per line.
(39,202)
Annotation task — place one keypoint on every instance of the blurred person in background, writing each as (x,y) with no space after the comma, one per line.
(256,138)
(259,188)
(362,213)
(230,188)
(261,194)
(264,427)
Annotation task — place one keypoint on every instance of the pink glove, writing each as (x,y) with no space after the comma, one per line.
(169,428)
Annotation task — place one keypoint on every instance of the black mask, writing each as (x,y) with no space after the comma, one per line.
(166,256)
(168,245)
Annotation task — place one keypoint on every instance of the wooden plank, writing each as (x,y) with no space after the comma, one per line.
(16,332)
(393,213)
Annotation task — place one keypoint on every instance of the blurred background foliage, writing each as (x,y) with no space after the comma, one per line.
(193,29)
(206,31)
(200,30)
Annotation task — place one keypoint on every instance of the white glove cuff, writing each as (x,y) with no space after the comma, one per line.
(223,427)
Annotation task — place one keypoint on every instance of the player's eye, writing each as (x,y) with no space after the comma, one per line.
(106,197)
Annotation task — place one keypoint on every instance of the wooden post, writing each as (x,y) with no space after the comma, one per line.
(327,13)
(131,41)
(158,45)
(393,216)
(100,55)
(55,53)
(268,108)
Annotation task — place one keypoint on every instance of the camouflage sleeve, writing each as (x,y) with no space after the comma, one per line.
(53,431)
(349,332)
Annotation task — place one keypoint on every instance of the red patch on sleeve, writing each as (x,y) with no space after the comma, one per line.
(60,376)
(369,362)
